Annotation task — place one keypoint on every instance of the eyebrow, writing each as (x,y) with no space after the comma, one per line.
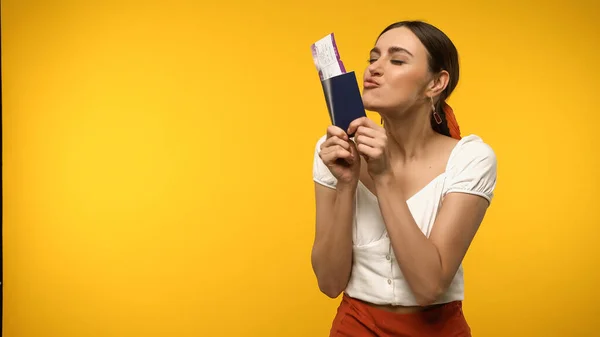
(392,50)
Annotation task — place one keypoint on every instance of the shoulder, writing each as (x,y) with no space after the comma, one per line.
(472,167)
(470,149)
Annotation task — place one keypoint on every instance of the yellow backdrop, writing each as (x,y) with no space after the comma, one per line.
(157,163)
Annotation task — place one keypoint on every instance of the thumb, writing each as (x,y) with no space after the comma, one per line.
(353,145)
(354,149)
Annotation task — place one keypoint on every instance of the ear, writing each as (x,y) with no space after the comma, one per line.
(439,83)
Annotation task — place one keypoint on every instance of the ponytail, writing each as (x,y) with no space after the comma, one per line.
(452,124)
(449,126)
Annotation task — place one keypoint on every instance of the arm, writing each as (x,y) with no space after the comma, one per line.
(335,188)
(430,264)
(332,249)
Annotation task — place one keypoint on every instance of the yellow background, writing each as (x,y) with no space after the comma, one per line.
(157,163)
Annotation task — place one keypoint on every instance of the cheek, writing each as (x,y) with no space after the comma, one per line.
(406,83)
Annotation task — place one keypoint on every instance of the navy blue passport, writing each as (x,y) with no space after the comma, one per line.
(343,100)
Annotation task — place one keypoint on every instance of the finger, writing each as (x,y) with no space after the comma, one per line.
(335,141)
(335,152)
(366,131)
(368,151)
(370,137)
(333,130)
(352,147)
(336,156)
(332,153)
(356,123)
(362,121)
(368,141)
(371,124)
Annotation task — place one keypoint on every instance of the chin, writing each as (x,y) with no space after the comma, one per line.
(373,102)
(383,107)
(368,103)
(372,106)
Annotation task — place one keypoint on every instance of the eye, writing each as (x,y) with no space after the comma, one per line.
(397,62)
(372,60)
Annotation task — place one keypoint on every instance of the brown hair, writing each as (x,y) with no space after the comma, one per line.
(442,56)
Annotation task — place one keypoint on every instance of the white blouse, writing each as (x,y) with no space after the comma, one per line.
(376,275)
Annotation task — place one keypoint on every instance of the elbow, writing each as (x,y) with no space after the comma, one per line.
(330,283)
(425,301)
(330,289)
(427,297)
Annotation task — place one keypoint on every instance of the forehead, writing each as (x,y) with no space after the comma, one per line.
(401,37)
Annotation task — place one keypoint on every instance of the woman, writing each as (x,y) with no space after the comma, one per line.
(398,206)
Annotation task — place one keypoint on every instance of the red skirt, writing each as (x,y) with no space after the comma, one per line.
(357,319)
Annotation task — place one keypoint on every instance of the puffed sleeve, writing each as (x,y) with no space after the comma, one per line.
(321,173)
(472,169)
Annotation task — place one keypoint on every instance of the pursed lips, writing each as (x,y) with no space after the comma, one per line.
(370,83)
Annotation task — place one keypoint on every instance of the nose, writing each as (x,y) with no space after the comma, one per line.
(375,69)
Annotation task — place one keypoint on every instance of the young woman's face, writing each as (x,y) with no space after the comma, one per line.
(398,74)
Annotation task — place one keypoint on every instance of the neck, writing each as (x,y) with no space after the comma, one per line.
(409,135)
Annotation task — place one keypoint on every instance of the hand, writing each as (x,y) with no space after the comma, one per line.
(372,144)
(341,157)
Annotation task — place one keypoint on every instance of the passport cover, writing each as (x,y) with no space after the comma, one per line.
(343,99)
